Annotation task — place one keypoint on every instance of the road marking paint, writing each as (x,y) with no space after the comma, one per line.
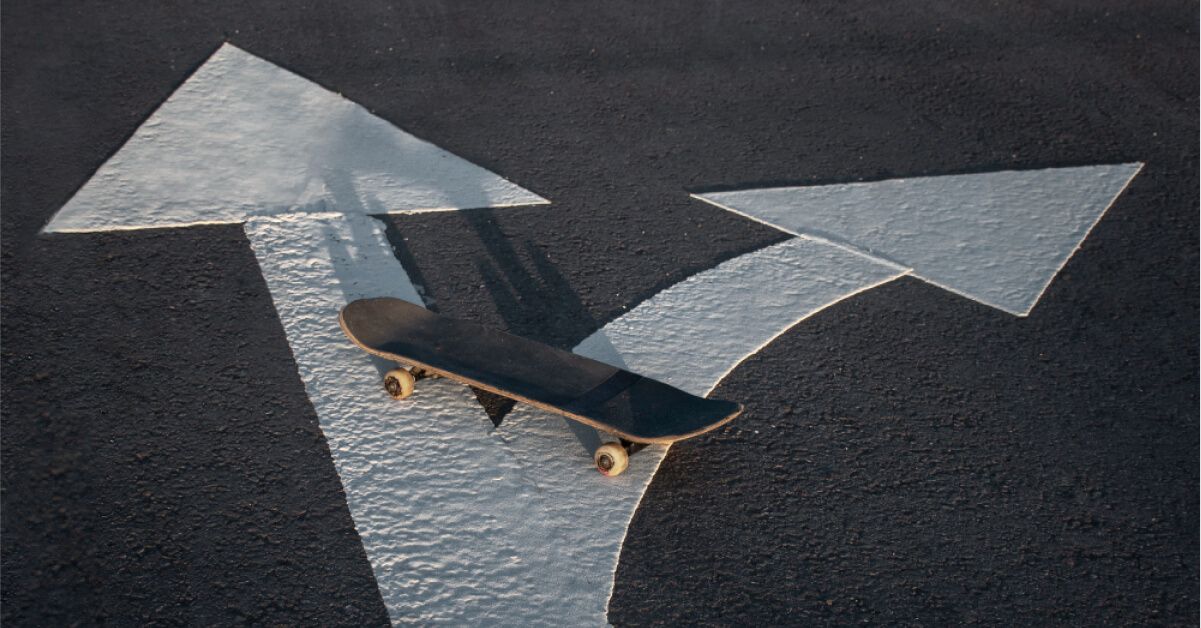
(466,524)
(458,527)
(694,333)
(244,137)
(998,237)
(461,522)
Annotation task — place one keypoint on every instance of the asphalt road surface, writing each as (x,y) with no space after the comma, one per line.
(908,456)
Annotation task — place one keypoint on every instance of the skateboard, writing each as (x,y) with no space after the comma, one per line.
(637,409)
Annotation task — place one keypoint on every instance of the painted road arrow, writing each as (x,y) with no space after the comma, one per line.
(460,522)
(996,237)
(244,137)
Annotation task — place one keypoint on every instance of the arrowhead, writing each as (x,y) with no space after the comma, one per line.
(997,237)
(245,137)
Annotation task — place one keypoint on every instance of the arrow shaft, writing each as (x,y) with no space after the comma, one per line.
(460,522)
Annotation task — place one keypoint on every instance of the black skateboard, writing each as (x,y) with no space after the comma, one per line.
(635,408)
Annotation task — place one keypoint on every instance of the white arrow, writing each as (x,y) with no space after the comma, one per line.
(461,524)
(998,237)
(514,526)
(243,137)
(695,333)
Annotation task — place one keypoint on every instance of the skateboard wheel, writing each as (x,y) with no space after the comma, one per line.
(611,459)
(399,383)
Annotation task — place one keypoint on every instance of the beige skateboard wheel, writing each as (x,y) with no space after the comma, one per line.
(611,459)
(399,383)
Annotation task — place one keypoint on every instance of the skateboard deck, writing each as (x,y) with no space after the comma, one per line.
(635,408)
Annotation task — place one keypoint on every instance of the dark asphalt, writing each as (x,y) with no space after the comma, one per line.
(907,456)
